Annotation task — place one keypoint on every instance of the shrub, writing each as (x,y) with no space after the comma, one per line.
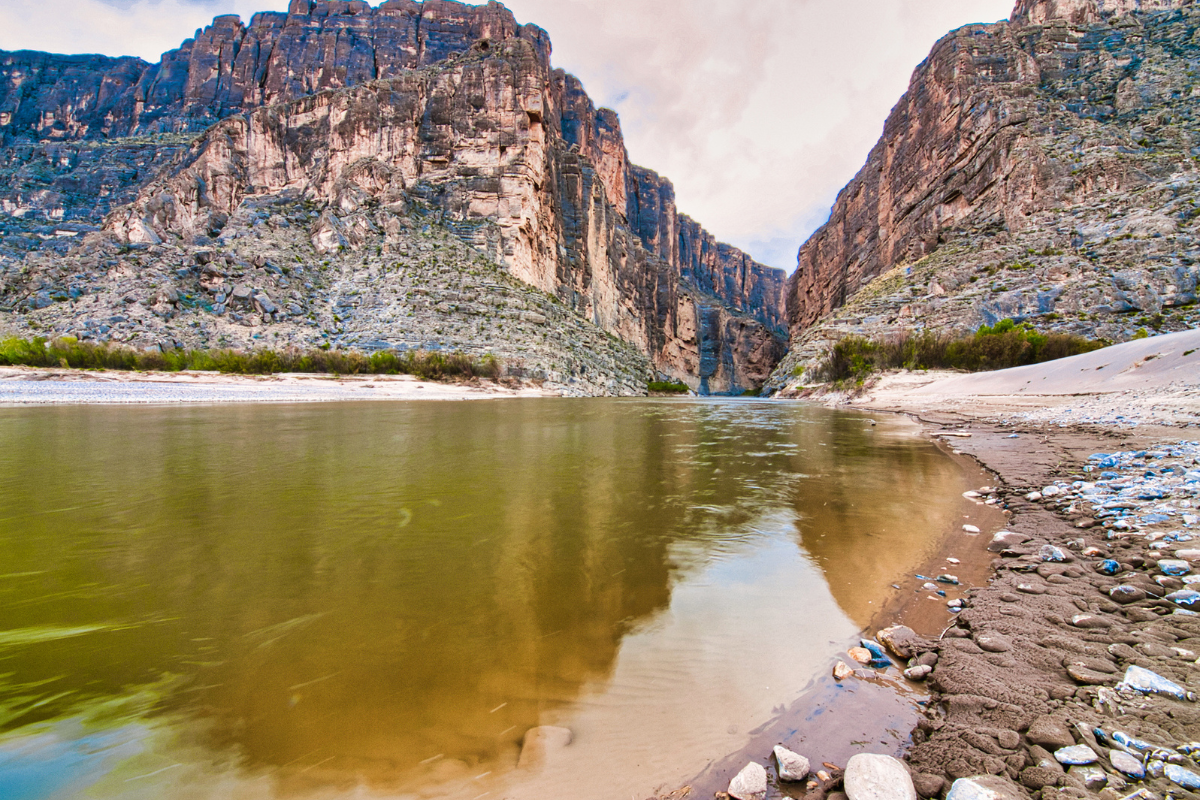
(68,352)
(668,387)
(1005,344)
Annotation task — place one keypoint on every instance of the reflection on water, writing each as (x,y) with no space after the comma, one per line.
(259,601)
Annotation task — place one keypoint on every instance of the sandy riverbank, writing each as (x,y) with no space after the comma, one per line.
(38,386)
(1149,382)
(1035,660)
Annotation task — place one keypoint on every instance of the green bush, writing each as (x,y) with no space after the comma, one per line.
(668,387)
(1005,344)
(68,352)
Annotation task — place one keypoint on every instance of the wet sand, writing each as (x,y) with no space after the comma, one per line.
(876,710)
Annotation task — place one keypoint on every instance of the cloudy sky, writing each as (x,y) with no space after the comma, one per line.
(758,110)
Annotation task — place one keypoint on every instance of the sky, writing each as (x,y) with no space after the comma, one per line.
(759,111)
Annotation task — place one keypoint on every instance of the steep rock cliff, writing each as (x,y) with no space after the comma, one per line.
(1042,169)
(230,67)
(453,113)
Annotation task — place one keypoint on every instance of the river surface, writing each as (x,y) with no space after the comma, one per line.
(380,599)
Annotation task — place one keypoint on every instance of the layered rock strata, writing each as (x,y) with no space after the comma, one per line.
(1042,169)
(230,67)
(447,111)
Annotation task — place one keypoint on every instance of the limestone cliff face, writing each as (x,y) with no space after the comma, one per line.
(1002,124)
(230,67)
(437,109)
(478,141)
(1042,169)
(1084,12)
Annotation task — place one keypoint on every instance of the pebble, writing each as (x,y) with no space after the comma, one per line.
(1089,621)
(1140,679)
(918,673)
(1089,677)
(970,528)
(792,766)
(860,654)
(1131,743)
(993,643)
(879,656)
(1053,554)
(750,783)
(1184,777)
(1174,567)
(950,579)
(1076,754)
(1108,567)
(841,671)
(985,787)
(1092,777)
(1050,732)
(1003,540)
(870,776)
(1126,594)
(898,639)
(1185,597)
(1126,764)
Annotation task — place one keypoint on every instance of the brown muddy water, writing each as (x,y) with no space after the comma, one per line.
(379,600)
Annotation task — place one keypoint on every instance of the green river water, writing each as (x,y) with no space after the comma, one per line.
(380,599)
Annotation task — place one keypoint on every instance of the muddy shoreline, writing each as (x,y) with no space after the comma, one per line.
(1031,663)
(876,710)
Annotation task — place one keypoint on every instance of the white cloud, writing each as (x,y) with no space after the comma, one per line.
(758,110)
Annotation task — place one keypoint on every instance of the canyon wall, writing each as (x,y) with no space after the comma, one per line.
(230,67)
(1084,12)
(993,131)
(1042,170)
(439,109)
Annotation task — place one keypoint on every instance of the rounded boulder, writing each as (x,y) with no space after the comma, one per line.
(870,776)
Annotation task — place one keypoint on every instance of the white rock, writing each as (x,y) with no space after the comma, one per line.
(970,529)
(984,787)
(750,783)
(1051,491)
(841,671)
(918,673)
(1032,497)
(792,766)
(870,776)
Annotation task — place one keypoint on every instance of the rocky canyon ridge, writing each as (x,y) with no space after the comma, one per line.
(412,175)
(1043,169)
